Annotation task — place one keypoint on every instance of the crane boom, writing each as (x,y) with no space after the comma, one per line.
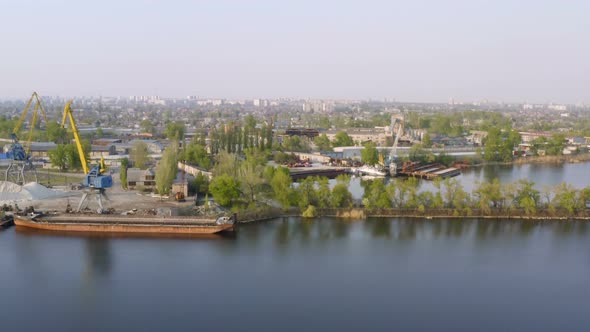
(94,177)
(38,106)
(69,115)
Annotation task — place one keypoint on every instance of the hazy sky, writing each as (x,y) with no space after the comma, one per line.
(412,50)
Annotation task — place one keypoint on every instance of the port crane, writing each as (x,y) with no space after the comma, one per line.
(95,181)
(397,129)
(18,152)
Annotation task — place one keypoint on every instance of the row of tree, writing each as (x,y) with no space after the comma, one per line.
(249,183)
(487,197)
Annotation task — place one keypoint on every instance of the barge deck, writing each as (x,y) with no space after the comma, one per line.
(124,224)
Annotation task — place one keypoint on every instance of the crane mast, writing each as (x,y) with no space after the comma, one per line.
(38,107)
(95,182)
(68,115)
(19,153)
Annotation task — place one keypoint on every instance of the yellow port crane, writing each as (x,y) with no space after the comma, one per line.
(38,107)
(20,164)
(94,182)
(68,115)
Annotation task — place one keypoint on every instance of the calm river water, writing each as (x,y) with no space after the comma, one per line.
(294,275)
(543,175)
(327,274)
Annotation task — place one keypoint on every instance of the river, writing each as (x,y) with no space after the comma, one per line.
(327,274)
(576,174)
(296,275)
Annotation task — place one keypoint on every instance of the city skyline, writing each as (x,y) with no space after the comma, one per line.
(424,51)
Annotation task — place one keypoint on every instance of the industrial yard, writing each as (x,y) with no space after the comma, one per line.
(59,197)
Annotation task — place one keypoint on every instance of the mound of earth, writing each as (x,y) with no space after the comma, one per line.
(10,191)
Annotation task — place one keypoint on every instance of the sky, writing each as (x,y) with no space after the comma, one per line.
(418,50)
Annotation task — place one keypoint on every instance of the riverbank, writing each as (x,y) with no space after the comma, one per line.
(562,159)
(574,158)
(361,213)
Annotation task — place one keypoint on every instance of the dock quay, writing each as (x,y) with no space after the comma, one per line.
(429,171)
(300,173)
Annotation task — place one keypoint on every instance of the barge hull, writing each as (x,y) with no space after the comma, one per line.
(102,227)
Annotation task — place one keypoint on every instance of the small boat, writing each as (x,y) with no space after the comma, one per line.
(105,223)
(6,221)
(371,170)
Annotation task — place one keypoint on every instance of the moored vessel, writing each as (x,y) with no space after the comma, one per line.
(124,224)
(371,170)
(6,221)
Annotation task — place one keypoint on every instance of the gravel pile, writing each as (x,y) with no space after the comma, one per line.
(32,191)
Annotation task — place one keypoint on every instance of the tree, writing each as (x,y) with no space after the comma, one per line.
(376,196)
(175,131)
(225,189)
(256,157)
(123,173)
(323,143)
(139,154)
(342,139)
(417,153)
(295,143)
(250,122)
(341,196)
(323,193)
(527,197)
(426,140)
(99,133)
(250,180)
(226,163)
(556,144)
(283,158)
(66,156)
(73,156)
(307,194)
(56,134)
(454,194)
(147,126)
(310,212)
(493,142)
(58,157)
(370,155)
(201,184)
(166,170)
(483,199)
(281,186)
(510,144)
(566,198)
(195,153)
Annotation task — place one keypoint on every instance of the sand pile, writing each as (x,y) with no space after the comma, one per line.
(11,192)
(31,191)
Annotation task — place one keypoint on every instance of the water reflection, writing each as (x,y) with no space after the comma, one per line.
(379,228)
(98,254)
(322,230)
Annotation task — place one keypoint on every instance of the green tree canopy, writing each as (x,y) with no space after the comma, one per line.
(369,154)
(323,143)
(342,139)
(139,154)
(166,170)
(196,153)
(225,189)
(147,126)
(175,131)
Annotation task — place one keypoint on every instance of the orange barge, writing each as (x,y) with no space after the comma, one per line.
(125,224)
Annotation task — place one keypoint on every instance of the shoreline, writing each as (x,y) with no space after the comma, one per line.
(361,213)
(561,159)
